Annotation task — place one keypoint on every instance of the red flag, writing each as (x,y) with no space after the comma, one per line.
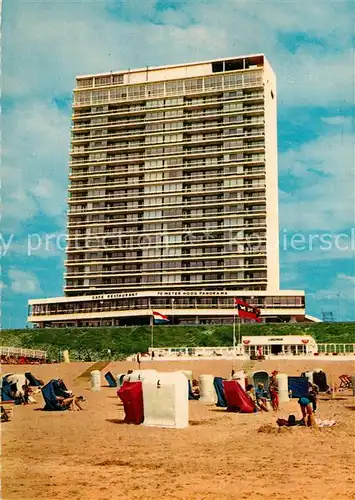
(247,311)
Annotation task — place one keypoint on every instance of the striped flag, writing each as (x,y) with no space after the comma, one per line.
(160,319)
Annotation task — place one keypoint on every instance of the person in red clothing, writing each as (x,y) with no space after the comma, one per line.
(274,391)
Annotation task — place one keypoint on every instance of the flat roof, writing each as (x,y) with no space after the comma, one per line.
(172,66)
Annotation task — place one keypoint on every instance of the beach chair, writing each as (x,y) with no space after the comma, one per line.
(33,381)
(131,395)
(345,382)
(110,379)
(50,392)
(221,399)
(237,398)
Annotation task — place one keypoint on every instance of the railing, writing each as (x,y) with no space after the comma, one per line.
(25,353)
(187,116)
(188,128)
(77,186)
(184,153)
(185,141)
(206,84)
(193,190)
(197,102)
(332,348)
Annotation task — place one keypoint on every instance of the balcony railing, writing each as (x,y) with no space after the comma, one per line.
(197,102)
(214,138)
(188,128)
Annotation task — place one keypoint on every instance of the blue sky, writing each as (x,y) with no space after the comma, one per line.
(310,45)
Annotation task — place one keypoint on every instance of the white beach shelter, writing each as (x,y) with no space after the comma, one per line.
(188,374)
(138,375)
(165,400)
(282,379)
(207,390)
(95,380)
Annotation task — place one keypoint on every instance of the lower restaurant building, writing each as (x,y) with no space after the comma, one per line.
(181,307)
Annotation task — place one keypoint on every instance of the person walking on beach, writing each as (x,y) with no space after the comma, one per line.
(274,391)
(139,360)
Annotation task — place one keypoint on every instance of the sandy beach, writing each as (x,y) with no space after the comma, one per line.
(93,455)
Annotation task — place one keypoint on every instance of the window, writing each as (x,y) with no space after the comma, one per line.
(85,82)
(102,80)
(117,79)
(175,87)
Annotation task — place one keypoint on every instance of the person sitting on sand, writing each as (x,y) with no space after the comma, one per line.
(70,403)
(259,405)
(195,388)
(262,396)
(274,390)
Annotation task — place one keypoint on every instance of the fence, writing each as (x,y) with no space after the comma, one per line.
(18,352)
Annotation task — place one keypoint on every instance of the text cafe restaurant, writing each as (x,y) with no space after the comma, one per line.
(277,346)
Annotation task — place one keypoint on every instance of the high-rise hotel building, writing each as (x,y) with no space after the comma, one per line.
(173,197)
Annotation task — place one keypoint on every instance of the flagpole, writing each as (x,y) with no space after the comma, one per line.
(152,332)
(239,331)
(234,338)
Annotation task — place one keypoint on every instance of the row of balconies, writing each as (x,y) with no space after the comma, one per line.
(140,195)
(162,118)
(181,163)
(107,219)
(162,155)
(142,228)
(133,206)
(113,257)
(166,272)
(139,132)
(252,96)
(186,141)
(132,283)
(169,89)
(146,114)
(141,180)
(255,241)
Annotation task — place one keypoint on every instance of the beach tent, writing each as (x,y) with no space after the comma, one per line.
(165,400)
(50,392)
(261,377)
(298,386)
(32,380)
(8,391)
(237,398)
(110,379)
(221,399)
(320,379)
(131,395)
(207,390)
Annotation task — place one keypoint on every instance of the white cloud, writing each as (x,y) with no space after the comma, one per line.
(23,282)
(89,37)
(324,172)
(338,120)
(346,277)
(34,166)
